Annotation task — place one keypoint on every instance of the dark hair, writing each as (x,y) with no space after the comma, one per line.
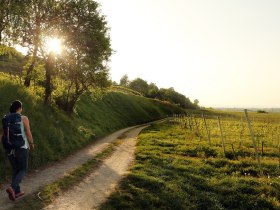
(15,106)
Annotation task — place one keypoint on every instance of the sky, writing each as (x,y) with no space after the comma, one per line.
(225,53)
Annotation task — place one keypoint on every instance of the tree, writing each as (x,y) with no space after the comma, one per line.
(196,102)
(124,80)
(139,85)
(86,35)
(10,19)
(153,91)
(49,71)
(174,97)
(114,83)
(26,22)
(5,17)
(37,23)
(83,66)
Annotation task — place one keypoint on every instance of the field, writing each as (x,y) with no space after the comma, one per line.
(233,137)
(177,168)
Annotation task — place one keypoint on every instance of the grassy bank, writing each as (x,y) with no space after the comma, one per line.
(176,170)
(57,135)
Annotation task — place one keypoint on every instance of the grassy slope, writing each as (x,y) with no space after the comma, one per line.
(175,170)
(56,135)
(12,64)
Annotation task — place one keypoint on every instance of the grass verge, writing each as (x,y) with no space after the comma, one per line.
(175,170)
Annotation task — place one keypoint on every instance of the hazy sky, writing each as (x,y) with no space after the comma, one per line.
(222,52)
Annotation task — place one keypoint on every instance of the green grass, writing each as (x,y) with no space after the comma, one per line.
(237,138)
(176,170)
(57,135)
(12,64)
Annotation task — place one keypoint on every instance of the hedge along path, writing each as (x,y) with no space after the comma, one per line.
(95,189)
(32,182)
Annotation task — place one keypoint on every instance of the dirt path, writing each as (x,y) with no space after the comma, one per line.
(94,190)
(32,182)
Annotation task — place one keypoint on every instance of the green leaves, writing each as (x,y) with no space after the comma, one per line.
(83,30)
(8,51)
(86,38)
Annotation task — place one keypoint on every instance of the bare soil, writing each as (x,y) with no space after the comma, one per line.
(93,187)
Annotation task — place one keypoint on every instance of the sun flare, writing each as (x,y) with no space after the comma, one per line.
(54,45)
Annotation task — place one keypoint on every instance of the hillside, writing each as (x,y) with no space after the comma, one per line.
(57,135)
(12,62)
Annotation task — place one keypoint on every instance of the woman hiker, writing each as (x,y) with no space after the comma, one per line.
(17,139)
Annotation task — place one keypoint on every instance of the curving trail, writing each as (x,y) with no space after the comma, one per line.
(94,190)
(32,182)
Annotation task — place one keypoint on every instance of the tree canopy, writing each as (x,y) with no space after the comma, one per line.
(124,81)
(139,85)
(83,31)
(152,91)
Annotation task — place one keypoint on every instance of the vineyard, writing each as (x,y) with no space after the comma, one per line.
(229,135)
(210,162)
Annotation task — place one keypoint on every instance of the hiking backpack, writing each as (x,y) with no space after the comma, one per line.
(12,134)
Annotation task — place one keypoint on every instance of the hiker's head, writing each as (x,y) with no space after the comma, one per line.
(15,106)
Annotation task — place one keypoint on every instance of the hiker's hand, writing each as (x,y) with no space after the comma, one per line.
(32,146)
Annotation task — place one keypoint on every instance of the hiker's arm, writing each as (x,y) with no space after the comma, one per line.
(28,132)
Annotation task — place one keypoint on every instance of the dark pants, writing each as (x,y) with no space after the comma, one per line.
(19,162)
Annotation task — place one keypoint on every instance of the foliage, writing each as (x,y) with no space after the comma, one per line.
(177,98)
(29,23)
(4,14)
(176,170)
(8,51)
(9,19)
(196,102)
(124,81)
(88,49)
(83,65)
(139,85)
(262,111)
(152,91)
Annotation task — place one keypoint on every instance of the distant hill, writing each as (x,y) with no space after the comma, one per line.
(12,62)
(251,109)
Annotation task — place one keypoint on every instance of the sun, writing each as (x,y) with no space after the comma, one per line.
(53,45)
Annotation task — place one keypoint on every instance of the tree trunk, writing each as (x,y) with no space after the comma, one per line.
(31,67)
(49,71)
(1,31)
(70,108)
(28,73)
(71,104)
